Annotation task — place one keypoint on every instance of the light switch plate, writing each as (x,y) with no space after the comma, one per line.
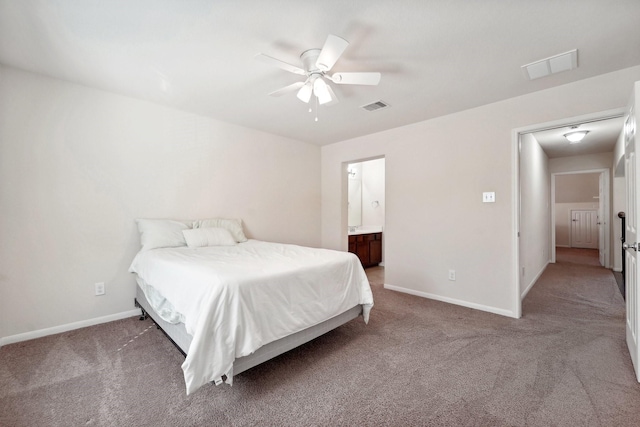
(100,290)
(489,197)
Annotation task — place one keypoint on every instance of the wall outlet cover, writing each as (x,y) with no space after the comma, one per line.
(100,289)
(489,197)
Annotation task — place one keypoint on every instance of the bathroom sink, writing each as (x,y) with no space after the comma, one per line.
(366,229)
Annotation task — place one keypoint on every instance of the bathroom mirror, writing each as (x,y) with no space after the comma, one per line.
(355,194)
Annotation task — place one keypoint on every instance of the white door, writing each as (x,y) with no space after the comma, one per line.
(631,233)
(601,223)
(584,229)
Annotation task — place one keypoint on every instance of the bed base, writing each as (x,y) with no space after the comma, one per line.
(145,315)
(178,335)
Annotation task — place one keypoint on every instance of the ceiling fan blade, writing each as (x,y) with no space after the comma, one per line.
(331,51)
(287,89)
(371,79)
(273,61)
(304,94)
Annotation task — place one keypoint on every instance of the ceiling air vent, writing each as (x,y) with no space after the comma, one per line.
(554,64)
(378,105)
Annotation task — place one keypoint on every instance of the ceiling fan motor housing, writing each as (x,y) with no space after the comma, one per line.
(309,59)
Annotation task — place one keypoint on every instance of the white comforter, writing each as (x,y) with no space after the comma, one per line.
(235,299)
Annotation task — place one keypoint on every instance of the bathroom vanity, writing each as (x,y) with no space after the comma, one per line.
(367,245)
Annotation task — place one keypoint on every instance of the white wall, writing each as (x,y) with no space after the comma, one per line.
(577,188)
(535,223)
(581,163)
(373,191)
(436,171)
(78,165)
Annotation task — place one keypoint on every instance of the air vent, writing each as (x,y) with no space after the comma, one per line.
(378,105)
(554,64)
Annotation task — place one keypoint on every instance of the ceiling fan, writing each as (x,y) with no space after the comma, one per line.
(316,65)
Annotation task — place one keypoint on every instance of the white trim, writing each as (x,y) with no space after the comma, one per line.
(515,217)
(563,246)
(533,281)
(67,327)
(576,120)
(552,222)
(462,303)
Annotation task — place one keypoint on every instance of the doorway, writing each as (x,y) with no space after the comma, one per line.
(536,164)
(366,201)
(580,212)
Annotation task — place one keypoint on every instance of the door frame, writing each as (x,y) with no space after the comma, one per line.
(516,193)
(605,173)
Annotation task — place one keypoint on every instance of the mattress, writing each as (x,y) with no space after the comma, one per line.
(233,300)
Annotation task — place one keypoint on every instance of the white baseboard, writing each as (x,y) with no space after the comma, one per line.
(68,327)
(617,269)
(381,264)
(467,304)
(533,282)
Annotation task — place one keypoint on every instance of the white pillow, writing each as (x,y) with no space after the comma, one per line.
(210,236)
(161,233)
(233,225)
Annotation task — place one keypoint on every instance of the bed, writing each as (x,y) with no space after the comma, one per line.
(230,303)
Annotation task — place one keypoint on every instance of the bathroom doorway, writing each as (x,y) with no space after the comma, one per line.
(366,210)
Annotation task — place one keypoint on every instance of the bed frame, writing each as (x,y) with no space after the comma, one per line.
(182,340)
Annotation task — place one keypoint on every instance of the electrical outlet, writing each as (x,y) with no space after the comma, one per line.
(100,289)
(452,275)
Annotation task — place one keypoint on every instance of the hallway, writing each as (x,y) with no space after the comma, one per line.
(574,287)
(577,256)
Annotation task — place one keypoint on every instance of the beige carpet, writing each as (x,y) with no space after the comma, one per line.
(418,362)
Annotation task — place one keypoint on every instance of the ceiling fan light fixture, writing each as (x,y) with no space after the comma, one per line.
(576,136)
(304,94)
(321,91)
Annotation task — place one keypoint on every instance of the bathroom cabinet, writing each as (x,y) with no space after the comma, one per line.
(368,247)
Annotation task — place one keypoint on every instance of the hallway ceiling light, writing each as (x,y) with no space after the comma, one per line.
(576,136)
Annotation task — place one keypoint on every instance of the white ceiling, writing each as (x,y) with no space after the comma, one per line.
(436,57)
(602,138)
